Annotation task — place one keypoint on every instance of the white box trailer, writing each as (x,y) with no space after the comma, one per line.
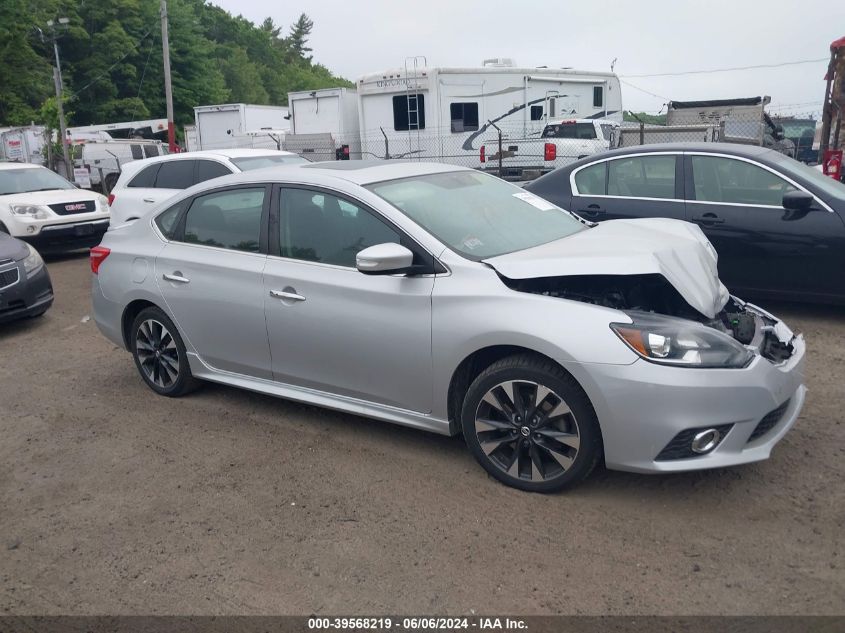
(23,144)
(323,122)
(228,125)
(445,114)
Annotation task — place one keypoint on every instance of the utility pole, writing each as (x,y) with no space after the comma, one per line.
(57,80)
(168,88)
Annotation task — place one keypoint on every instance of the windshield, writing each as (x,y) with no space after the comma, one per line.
(477,215)
(817,179)
(271,160)
(29,179)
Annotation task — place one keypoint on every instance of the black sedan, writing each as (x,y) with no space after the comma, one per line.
(777,224)
(25,288)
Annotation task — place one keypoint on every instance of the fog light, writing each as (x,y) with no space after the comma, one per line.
(705,441)
(30,229)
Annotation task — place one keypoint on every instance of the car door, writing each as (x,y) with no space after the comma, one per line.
(333,328)
(762,247)
(209,274)
(624,187)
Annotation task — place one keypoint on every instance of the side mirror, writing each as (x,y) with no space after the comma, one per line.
(384,259)
(797,201)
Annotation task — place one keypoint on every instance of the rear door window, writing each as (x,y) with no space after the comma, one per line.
(150,151)
(592,180)
(642,177)
(137,152)
(208,169)
(226,219)
(176,174)
(147,177)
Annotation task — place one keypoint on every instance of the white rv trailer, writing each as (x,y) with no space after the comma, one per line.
(229,125)
(324,122)
(445,114)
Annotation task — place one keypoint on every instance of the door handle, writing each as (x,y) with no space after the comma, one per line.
(176,277)
(150,200)
(708,219)
(288,296)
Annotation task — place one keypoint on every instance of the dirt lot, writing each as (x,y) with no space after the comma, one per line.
(114,500)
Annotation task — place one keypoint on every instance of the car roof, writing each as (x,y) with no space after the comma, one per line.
(13,165)
(239,152)
(360,172)
(733,149)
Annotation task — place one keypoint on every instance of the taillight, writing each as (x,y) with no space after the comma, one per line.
(482,155)
(549,151)
(111,198)
(98,255)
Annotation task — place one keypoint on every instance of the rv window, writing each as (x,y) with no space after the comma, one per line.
(464,116)
(409,112)
(137,152)
(537,113)
(598,96)
(150,150)
(552,107)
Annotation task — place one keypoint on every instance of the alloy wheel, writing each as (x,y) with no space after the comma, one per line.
(157,353)
(527,430)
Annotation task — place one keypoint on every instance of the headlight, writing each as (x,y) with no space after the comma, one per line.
(676,342)
(33,262)
(32,210)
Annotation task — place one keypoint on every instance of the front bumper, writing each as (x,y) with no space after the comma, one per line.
(68,235)
(641,407)
(27,297)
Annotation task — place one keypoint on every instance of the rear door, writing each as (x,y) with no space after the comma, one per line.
(635,186)
(210,276)
(763,247)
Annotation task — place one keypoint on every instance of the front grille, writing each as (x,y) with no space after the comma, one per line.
(71,208)
(768,422)
(8,278)
(681,445)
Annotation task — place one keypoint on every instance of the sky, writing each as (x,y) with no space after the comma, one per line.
(354,37)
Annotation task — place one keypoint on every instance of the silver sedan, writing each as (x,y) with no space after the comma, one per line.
(448,300)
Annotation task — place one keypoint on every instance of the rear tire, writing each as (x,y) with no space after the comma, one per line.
(160,354)
(530,424)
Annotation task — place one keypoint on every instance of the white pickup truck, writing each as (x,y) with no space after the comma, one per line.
(560,143)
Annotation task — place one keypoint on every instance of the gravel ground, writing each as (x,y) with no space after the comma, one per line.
(116,501)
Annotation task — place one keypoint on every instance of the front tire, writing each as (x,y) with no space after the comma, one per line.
(530,424)
(160,354)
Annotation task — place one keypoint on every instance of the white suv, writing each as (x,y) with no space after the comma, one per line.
(143,183)
(42,208)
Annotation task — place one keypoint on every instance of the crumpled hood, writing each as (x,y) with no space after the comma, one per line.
(675,249)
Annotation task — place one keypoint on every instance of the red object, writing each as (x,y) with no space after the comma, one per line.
(171,138)
(832,163)
(98,255)
(549,151)
(111,199)
(482,155)
(346,150)
(837,44)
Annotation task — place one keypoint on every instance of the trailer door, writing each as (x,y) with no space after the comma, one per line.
(317,115)
(218,129)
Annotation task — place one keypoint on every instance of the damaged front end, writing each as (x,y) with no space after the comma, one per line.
(648,298)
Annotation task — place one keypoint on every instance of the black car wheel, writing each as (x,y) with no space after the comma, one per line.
(530,425)
(160,354)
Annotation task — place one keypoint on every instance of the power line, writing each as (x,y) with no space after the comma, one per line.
(630,85)
(724,70)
